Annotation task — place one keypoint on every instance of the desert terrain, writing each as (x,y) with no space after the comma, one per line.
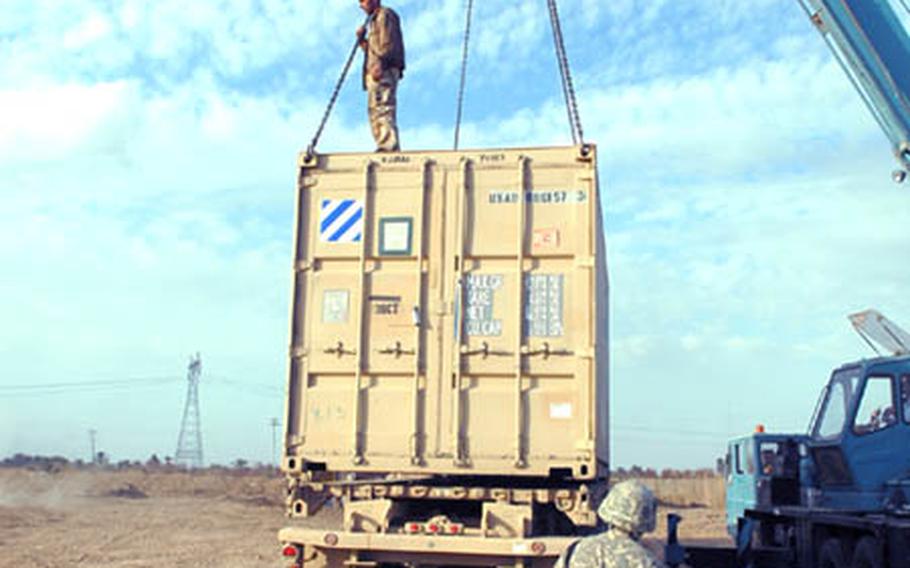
(228,519)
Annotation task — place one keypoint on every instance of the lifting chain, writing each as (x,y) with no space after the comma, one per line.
(311,149)
(464,68)
(565,72)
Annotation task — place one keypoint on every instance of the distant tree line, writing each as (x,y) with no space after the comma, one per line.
(102,461)
(639,472)
(240,465)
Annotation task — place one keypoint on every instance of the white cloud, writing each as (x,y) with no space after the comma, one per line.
(53,121)
(91,29)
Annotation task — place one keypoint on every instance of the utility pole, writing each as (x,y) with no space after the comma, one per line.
(274,424)
(91,434)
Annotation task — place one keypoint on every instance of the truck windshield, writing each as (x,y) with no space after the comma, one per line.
(903,14)
(838,398)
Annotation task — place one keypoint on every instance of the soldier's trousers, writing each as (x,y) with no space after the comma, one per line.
(381,107)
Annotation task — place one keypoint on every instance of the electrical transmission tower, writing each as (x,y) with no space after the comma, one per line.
(274,424)
(91,434)
(189,444)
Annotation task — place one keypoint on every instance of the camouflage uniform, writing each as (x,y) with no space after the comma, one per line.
(629,510)
(384,48)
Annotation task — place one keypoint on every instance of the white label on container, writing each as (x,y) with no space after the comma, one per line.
(480,293)
(396,236)
(335,306)
(543,305)
(561,410)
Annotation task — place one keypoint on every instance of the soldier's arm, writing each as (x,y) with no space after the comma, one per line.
(652,562)
(382,43)
(362,38)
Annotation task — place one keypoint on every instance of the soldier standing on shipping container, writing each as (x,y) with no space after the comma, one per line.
(383,65)
(630,511)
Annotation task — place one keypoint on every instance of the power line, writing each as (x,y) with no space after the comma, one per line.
(70,391)
(80,384)
(33,390)
(671,431)
(260,389)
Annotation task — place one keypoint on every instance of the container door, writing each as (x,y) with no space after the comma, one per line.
(366,261)
(521,345)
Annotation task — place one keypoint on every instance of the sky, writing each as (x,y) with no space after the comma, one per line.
(147,174)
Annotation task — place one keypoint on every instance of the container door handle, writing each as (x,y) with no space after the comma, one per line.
(546,352)
(484,351)
(395,350)
(338,349)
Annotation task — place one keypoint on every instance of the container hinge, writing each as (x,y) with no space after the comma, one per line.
(585,353)
(585,261)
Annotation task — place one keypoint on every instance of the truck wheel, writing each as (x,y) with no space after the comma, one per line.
(868,554)
(831,554)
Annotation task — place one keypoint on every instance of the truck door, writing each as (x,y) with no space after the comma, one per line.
(741,481)
(877,436)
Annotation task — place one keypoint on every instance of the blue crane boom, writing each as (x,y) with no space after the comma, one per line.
(870,39)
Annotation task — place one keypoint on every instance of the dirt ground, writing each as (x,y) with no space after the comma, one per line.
(137,519)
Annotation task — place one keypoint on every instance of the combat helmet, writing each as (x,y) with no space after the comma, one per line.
(629,507)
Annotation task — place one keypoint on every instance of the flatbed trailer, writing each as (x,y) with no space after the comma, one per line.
(805,537)
(338,548)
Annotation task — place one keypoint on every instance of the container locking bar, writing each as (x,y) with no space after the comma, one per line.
(416,317)
(524,164)
(369,174)
(457,438)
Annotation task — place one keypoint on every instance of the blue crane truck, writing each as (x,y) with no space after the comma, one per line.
(837,496)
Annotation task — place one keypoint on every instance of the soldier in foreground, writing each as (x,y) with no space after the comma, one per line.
(630,511)
(383,65)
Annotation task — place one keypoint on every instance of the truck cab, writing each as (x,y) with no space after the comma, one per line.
(854,457)
(856,452)
(761,470)
(839,492)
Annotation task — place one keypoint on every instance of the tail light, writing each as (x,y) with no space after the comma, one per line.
(455,528)
(432,528)
(412,528)
(289,551)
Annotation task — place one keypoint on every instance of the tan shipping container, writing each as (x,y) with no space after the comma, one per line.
(449,315)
